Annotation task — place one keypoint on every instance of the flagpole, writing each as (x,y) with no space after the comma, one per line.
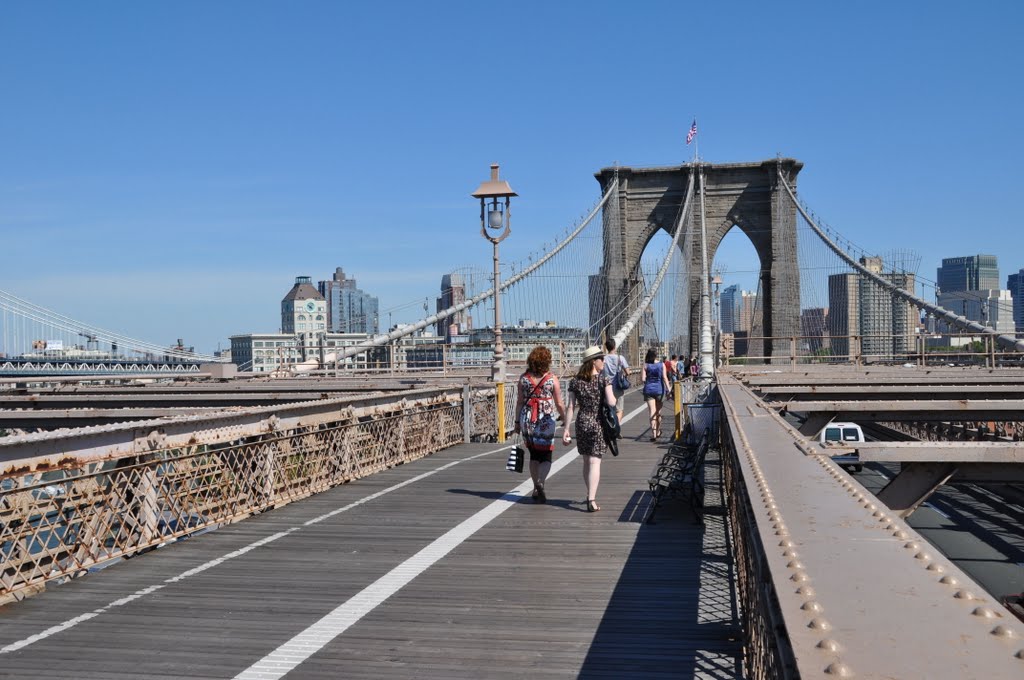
(696,144)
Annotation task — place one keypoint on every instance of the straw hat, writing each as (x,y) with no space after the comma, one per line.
(592,353)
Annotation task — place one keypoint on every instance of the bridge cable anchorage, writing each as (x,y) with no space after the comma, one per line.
(383,340)
(66,325)
(1008,341)
(684,213)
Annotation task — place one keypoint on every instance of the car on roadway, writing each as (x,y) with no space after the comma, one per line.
(844,435)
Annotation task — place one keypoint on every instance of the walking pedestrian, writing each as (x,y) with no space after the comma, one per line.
(694,367)
(655,385)
(613,363)
(586,391)
(685,375)
(539,397)
(672,370)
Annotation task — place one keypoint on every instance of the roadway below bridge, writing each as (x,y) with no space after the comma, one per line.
(980,529)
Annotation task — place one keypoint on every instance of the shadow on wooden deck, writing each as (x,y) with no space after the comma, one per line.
(674,611)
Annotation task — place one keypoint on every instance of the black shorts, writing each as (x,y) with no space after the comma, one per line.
(540,456)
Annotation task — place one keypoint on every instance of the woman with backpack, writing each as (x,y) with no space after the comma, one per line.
(655,382)
(614,364)
(539,397)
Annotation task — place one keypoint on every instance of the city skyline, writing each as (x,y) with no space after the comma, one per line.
(170,169)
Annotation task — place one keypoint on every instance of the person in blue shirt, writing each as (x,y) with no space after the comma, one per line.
(613,363)
(655,382)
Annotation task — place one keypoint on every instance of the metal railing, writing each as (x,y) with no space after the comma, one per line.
(767,652)
(867,349)
(59,522)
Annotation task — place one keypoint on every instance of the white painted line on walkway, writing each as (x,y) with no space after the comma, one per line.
(314,638)
(70,623)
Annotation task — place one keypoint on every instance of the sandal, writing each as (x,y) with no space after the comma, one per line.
(592,506)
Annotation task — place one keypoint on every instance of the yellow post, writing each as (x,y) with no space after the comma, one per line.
(677,407)
(500,397)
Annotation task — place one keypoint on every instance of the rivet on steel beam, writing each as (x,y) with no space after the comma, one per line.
(790,553)
(1020,654)
(786,544)
(819,624)
(839,669)
(901,534)
(811,606)
(963,595)
(985,612)
(936,567)
(794,564)
(913,545)
(829,645)
(949,580)
(878,513)
(1003,631)
(805,590)
(922,556)
(800,577)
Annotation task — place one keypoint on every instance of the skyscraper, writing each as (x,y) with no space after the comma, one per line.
(737,309)
(814,328)
(453,292)
(973,272)
(728,311)
(349,310)
(886,325)
(1015,282)
(969,286)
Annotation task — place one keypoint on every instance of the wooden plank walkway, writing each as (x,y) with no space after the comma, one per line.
(533,591)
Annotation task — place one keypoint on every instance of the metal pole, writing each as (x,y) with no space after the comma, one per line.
(498,369)
(707,362)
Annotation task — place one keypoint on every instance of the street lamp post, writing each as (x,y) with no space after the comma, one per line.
(495,226)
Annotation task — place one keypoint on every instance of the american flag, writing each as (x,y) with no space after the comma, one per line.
(692,133)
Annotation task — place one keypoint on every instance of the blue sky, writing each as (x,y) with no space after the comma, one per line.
(167,169)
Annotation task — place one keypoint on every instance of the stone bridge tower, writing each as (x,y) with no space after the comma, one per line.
(742,195)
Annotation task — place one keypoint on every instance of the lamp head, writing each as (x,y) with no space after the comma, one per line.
(494,188)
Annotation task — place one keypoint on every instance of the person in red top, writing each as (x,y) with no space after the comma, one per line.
(539,397)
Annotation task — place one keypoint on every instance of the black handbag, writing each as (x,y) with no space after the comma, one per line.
(610,428)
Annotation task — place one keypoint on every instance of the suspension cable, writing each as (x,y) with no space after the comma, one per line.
(508,283)
(1008,341)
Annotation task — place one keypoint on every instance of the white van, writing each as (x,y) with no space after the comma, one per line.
(843,434)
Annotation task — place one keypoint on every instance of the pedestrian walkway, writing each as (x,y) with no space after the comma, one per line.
(442,568)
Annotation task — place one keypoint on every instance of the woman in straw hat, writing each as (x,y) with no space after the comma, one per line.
(586,391)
